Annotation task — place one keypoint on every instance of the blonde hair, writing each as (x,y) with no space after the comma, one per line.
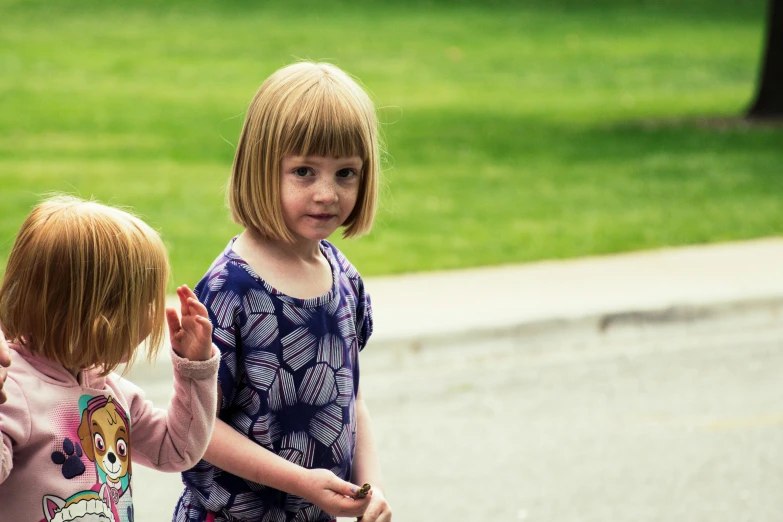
(303,109)
(83,280)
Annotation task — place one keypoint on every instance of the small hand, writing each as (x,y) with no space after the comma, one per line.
(334,495)
(192,337)
(378,510)
(5,362)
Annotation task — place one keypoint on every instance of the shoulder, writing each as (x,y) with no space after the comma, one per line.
(347,276)
(226,274)
(20,366)
(29,368)
(23,375)
(123,390)
(340,263)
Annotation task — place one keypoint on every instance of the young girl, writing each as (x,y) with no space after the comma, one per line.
(290,314)
(85,284)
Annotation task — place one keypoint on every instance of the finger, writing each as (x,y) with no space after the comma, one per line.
(199,307)
(343,487)
(377,513)
(195,308)
(348,507)
(173,321)
(3,396)
(183,301)
(370,514)
(206,324)
(384,515)
(188,292)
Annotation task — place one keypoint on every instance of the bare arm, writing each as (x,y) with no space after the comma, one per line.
(366,467)
(237,454)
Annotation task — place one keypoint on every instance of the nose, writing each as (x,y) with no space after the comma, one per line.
(112,457)
(326,192)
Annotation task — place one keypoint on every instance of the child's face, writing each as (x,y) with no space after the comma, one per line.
(318,193)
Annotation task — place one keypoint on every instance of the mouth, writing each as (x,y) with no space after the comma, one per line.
(322,217)
(112,470)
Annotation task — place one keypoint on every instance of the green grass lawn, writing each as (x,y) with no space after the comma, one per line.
(515,131)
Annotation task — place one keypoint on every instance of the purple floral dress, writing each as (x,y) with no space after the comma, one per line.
(289,374)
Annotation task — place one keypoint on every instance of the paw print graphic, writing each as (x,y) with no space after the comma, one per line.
(70,459)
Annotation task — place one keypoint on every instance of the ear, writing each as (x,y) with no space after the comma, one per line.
(51,505)
(85,436)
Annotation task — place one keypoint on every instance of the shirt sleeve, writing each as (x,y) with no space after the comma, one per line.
(364,323)
(15,425)
(227,315)
(176,438)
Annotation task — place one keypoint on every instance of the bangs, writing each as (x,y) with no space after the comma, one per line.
(327,123)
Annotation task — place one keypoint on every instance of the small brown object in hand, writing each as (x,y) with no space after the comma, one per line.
(363,491)
(361,494)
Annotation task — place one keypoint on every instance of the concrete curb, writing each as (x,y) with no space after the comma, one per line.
(504,299)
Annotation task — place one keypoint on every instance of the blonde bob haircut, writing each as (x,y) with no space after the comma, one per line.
(83,281)
(303,109)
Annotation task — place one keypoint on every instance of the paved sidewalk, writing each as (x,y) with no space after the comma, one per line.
(657,285)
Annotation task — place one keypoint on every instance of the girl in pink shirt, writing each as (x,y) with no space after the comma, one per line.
(85,284)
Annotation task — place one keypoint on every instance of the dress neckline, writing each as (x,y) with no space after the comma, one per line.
(310,302)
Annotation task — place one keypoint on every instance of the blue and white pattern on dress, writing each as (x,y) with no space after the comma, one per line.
(289,374)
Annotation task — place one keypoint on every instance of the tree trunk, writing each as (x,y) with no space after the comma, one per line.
(769,98)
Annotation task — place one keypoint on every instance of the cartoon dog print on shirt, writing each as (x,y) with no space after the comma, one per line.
(104,432)
(85,506)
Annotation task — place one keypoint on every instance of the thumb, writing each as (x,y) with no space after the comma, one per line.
(173,320)
(345,488)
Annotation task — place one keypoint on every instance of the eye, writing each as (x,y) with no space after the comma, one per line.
(122,448)
(99,442)
(302,171)
(346,173)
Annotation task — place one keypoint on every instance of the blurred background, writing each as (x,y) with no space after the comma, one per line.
(515,132)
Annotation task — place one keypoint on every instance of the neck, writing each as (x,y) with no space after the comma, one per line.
(302,249)
(75,372)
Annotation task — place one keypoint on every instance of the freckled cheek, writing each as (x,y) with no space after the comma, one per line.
(349,198)
(291,199)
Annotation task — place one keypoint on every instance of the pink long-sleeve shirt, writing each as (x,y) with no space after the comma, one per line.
(69,446)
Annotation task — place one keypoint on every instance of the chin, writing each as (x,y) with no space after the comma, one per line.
(314,235)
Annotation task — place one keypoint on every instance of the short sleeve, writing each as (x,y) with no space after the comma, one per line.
(364,323)
(226,315)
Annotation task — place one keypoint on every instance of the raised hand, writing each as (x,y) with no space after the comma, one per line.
(334,495)
(5,362)
(191,337)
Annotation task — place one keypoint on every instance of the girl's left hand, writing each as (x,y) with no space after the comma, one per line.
(191,338)
(378,510)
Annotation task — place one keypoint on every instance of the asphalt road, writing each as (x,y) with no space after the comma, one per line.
(644,421)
